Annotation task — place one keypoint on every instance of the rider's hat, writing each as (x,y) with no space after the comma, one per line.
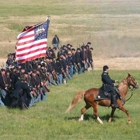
(105,68)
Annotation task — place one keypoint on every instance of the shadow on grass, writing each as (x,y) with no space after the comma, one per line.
(88,117)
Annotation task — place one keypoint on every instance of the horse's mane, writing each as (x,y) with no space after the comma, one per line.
(123,85)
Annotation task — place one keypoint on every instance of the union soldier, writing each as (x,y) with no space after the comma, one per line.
(90,59)
(75,69)
(78,60)
(3,83)
(52,52)
(84,58)
(14,76)
(50,70)
(21,94)
(9,60)
(108,84)
(58,69)
(70,64)
(55,41)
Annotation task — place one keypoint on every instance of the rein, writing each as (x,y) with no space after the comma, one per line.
(130,95)
(132,89)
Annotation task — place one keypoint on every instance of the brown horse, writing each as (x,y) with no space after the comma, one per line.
(90,95)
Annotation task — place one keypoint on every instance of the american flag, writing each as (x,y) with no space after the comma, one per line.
(32,43)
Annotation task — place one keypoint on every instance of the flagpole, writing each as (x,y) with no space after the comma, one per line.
(48,18)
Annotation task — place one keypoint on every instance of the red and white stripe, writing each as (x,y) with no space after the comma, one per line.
(27,48)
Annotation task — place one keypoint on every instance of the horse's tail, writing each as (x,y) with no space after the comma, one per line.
(77,98)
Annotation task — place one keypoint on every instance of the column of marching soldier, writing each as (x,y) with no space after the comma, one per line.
(24,84)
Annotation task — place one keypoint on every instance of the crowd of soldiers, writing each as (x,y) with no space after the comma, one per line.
(24,84)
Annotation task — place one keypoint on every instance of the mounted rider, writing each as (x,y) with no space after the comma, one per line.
(109,85)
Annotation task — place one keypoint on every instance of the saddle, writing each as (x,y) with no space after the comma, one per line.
(103,95)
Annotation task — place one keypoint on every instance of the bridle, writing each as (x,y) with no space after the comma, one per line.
(134,86)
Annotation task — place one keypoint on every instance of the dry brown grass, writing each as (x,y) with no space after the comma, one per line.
(113,27)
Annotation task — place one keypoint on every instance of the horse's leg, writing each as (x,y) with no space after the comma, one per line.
(127,113)
(83,110)
(112,114)
(95,110)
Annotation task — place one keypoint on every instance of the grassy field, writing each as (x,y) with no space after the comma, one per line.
(48,121)
(112,26)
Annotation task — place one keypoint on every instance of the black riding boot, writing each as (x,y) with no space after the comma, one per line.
(113,101)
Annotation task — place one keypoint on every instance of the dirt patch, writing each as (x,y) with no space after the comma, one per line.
(131,63)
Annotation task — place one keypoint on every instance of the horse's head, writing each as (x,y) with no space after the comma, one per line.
(131,81)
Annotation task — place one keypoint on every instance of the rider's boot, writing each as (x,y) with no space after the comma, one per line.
(113,101)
